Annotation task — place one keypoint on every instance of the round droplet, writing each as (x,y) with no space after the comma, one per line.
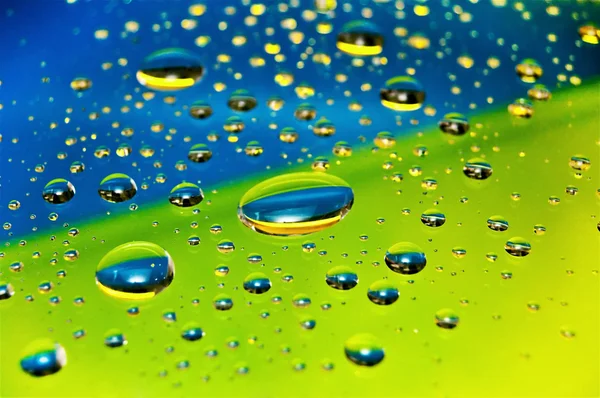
(433,218)
(320,164)
(385,140)
(186,194)
(301,300)
(305,112)
(117,188)
(135,270)
(199,153)
(257,283)
(477,169)
(114,338)
(589,33)
(497,223)
(529,70)
(234,125)
(170,69)
(580,163)
(402,93)
(222,302)
(446,319)
(288,135)
(360,38)
(43,358)
(517,247)
(275,103)
(405,258)
(454,124)
(253,148)
(295,204)
(241,101)
(58,191)
(342,149)
(192,332)
(6,290)
(341,278)
(539,92)
(522,108)
(364,350)
(324,128)
(201,110)
(383,293)
(225,246)
(81,84)
(539,229)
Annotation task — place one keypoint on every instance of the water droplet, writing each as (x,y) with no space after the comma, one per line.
(517,247)
(301,300)
(454,124)
(186,194)
(446,319)
(580,163)
(170,69)
(241,101)
(135,270)
(477,169)
(324,128)
(405,258)
(43,358)
(222,302)
(402,93)
(433,218)
(117,188)
(385,140)
(529,70)
(360,38)
(364,350)
(199,153)
(383,293)
(295,204)
(341,278)
(58,191)
(497,223)
(522,108)
(539,229)
(192,332)
(539,92)
(257,283)
(225,246)
(114,338)
(200,110)
(305,112)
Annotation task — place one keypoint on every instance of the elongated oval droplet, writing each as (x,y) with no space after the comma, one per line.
(135,270)
(43,358)
(296,204)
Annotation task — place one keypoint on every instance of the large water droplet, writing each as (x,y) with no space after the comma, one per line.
(383,293)
(43,358)
(170,69)
(517,247)
(117,188)
(405,258)
(58,191)
(257,283)
(360,38)
(186,194)
(402,93)
(135,270)
(341,278)
(364,350)
(296,204)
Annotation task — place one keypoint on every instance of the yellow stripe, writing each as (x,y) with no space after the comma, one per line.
(124,295)
(299,228)
(400,107)
(354,49)
(161,83)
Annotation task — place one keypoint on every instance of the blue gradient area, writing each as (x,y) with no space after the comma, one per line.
(300,206)
(56,40)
